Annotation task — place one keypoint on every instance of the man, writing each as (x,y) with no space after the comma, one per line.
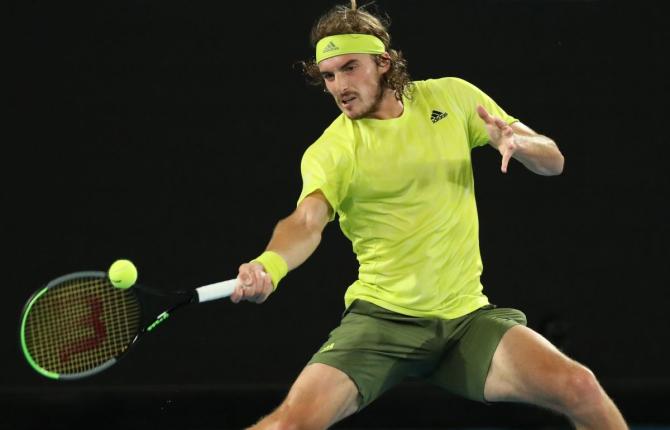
(395,166)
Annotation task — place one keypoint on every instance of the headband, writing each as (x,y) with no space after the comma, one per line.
(340,44)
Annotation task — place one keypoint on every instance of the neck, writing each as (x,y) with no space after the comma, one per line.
(389,106)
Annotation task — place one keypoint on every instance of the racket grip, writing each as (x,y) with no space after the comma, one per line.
(216,291)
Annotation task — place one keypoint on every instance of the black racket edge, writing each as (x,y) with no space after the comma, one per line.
(184,297)
(24,316)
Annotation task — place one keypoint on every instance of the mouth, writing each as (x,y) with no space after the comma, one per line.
(346,101)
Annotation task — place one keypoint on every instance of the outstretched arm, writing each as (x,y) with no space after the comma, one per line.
(537,152)
(295,238)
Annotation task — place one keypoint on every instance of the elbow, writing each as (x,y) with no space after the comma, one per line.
(555,162)
(305,222)
(314,224)
(553,166)
(557,167)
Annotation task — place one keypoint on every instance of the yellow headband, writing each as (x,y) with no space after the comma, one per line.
(340,44)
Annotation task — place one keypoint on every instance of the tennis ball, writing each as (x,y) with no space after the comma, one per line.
(122,273)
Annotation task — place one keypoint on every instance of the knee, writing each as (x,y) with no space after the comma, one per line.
(277,422)
(285,417)
(286,423)
(579,389)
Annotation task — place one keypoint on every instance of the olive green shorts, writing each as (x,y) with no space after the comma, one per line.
(378,348)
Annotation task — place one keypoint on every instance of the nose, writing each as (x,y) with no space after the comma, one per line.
(341,83)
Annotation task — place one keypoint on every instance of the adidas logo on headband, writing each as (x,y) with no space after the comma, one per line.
(330,47)
(341,44)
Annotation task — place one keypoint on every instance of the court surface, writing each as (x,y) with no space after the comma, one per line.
(409,407)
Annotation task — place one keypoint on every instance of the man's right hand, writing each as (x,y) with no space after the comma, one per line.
(253,284)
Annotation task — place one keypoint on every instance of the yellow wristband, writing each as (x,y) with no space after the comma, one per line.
(274,265)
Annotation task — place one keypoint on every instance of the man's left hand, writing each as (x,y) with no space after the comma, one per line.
(501,135)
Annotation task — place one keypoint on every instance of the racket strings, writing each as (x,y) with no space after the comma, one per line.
(81,324)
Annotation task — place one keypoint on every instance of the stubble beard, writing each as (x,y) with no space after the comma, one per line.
(377,101)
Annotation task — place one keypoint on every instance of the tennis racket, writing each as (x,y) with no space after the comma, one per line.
(80,324)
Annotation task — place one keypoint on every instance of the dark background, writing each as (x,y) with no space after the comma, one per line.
(171,133)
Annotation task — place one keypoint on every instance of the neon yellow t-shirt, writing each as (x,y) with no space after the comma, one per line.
(404,192)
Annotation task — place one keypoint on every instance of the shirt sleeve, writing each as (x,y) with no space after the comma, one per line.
(469,96)
(326,166)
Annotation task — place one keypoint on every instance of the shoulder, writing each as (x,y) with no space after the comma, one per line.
(445,84)
(439,90)
(337,140)
(456,91)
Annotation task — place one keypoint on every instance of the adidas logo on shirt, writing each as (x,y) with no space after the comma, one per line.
(437,115)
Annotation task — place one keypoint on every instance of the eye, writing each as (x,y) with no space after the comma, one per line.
(327,76)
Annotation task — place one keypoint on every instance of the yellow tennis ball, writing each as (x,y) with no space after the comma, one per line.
(122,273)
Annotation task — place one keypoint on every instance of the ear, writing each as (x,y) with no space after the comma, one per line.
(384,62)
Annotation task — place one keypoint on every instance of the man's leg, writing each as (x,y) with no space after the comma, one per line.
(528,368)
(321,396)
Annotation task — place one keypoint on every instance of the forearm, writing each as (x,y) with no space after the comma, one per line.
(295,240)
(539,154)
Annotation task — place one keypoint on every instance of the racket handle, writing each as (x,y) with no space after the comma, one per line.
(216,291)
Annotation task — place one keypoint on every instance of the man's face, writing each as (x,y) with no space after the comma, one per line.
(354,81)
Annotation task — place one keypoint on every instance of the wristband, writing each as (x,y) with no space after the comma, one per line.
(274,265)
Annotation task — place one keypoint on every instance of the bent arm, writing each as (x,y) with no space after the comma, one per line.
(297,236)
(538,153)
(294,238)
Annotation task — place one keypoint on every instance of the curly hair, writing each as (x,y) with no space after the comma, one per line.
(342,19)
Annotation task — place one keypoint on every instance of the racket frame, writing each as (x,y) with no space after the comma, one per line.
(199,295)
(24,317)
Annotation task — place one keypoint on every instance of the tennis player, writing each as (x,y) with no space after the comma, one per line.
(395,167)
